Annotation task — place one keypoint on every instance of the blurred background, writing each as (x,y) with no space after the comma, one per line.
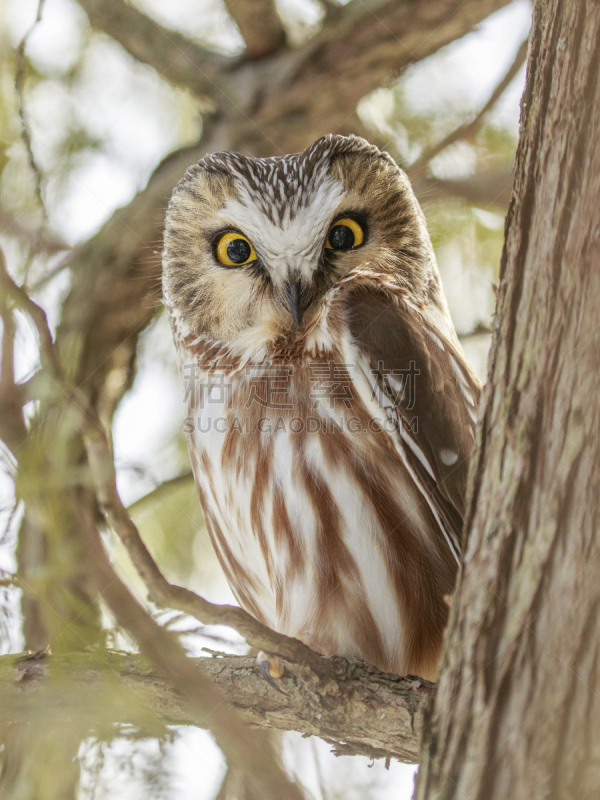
(101,110)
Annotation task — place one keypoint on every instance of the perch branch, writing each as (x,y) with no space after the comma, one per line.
(358,709)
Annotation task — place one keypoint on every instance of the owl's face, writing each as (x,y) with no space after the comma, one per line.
(252,246)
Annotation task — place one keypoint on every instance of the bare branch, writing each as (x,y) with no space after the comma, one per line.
(483,189)
(293,96)
(178,59)
(42,240)
(469,129)
(186,477)
(259,25)
(315,91)
(36,313)
(177,597)
(26,133)
(358,709)
(13,430)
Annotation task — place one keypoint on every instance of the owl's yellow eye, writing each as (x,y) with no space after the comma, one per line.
(234,250)
(345,234)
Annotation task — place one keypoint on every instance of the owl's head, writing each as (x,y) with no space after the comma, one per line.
(253,245)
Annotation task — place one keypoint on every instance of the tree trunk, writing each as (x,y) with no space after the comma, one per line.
(517,713)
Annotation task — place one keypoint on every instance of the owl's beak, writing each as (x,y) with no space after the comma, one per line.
(293,300)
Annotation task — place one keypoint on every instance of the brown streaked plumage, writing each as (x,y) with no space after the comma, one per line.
(330,407)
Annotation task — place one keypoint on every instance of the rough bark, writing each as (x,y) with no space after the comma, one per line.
(517,713)
(357,709)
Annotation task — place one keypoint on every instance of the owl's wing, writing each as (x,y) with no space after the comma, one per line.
(422,384)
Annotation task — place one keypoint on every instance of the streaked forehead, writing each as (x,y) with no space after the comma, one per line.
(277,187)
(284,205)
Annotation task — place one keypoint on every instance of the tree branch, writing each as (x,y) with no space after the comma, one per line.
(486,189)
(469,129)
(25,131)
(165,594)
(358,709)
(36,313)
(13,430)
(172,55)
(185,478)
(315,90)
(40,239)
(291,97)
(259,25)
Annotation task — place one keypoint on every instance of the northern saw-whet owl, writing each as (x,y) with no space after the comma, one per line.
(331,410)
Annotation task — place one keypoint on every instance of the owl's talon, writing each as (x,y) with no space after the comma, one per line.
(270,668)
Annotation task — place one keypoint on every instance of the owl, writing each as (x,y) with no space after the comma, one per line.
(330,407)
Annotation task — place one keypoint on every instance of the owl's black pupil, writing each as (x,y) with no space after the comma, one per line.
(238,251)
(341,237)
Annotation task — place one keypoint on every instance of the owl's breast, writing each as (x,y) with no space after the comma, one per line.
(312,515)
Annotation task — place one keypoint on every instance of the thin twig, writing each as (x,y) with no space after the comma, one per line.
(36,313)
(468,129)
(165,486)
(35,286)
(13,430)
(177,597)
(48,242)
(26,133)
